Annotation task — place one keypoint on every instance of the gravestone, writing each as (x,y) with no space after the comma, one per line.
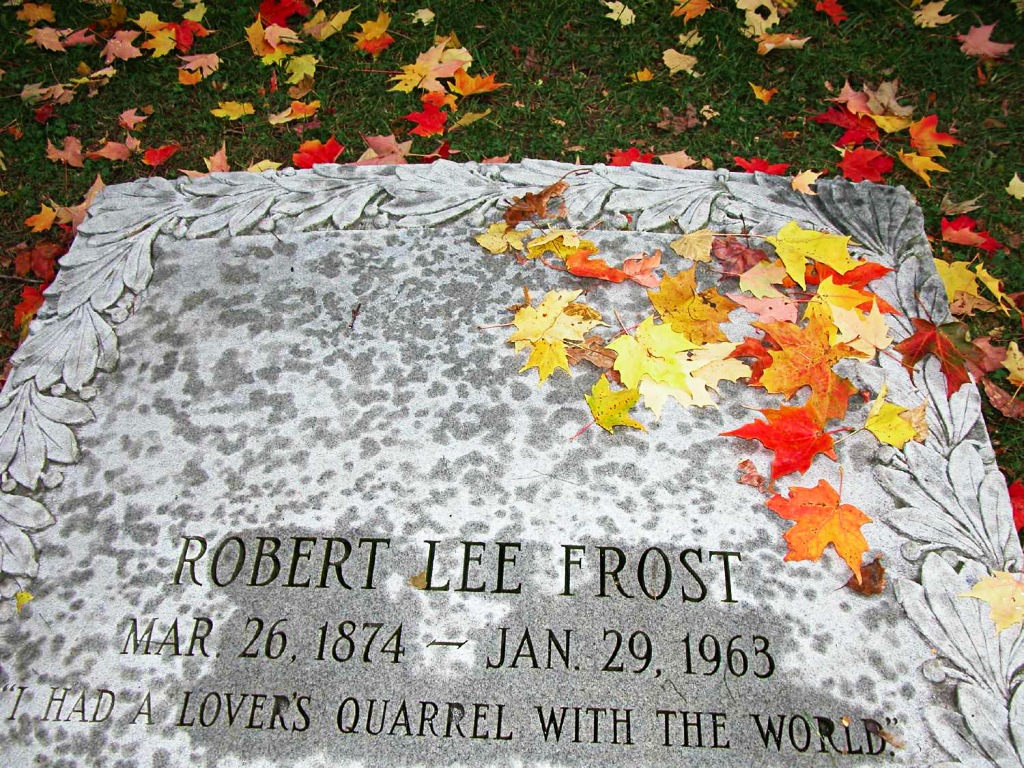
(282,496)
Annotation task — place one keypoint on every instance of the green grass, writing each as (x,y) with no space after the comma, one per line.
(576,103)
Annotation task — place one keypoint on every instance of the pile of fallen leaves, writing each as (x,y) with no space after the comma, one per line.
(814,308)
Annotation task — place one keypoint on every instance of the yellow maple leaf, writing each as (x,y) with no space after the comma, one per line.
(890,123)
(995,287)
(43,220)
(499,238)
(956,276)
(1004,593)
(796,245)
(866,333)
(299,67)
(706,366)
(885,422)
(831,294)
(22,598)
(197,13)
(319,27)
(650,352)
(679,62)
(546,328)
(697,315)
(1015,188)
(373,36)
(436,63)
(690,39)
(561,242)
(161,42)
(232,110)
(803,180)
(263,165)
(760,280)
(149,22)
(423,16)
(920,165)
(695,246)
(611,408)
(1014,363)
(255,34)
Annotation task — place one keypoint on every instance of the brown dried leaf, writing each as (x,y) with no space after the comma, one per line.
(872,578)
(593,351)
(533,204)
(1003,401)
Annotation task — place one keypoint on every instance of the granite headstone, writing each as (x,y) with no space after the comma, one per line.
(282,497)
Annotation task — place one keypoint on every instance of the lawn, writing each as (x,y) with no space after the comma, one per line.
(871,91)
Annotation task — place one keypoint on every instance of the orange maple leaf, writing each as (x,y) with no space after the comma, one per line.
(926,140)
(467,85)
(805,358)
(821,520)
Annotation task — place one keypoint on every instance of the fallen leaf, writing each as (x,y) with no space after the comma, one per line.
(75,214)
(1004,593)
(373,37)
(690,9)
(678,123)
(156,156)
(625,158)
(679,62)
(832,9)
(872,577)
(793,434)
(467,85)
(863,164)
(947,342)
(619,12)
(21,599)
(1014,363)
(130,119)
(978,42)
(803,180)
(319,27)
(533,205)
(930,15)
(761,165)
(593,350)
(921,165)
(314,151)
(695,246)
(111,150)
(698,316)
(822,520)
(763,94)
(1015,188)
(781,42)
(499,238)
(546,328)
(297,111)
(423,16)
(70,152)
(232,110)
(690,39)
(885,422)
(642,76)
(33,13)
(736,257)
(796,246)
(749,474)
(429,122)
(120,46)
(611,408)
(926,140)
(43,220)
(48,38)
(640,269)
(963,230)
(1008,405)
(759,16)
(677,159)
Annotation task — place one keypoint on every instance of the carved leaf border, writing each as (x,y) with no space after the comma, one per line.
(950,500)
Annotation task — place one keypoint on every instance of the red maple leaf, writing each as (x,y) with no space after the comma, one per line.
(1016,490)
(443,152)
(429,122)
(40,260)
(278,11)
(314,151)
(760,350)
(156,156)
(833,9)
(859,128)
(794,434)
(863,164)
(25,310)
(857,278)
(948,342)
(45,112)
(375,45)
(759,164)
(963,230)
(618,157)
